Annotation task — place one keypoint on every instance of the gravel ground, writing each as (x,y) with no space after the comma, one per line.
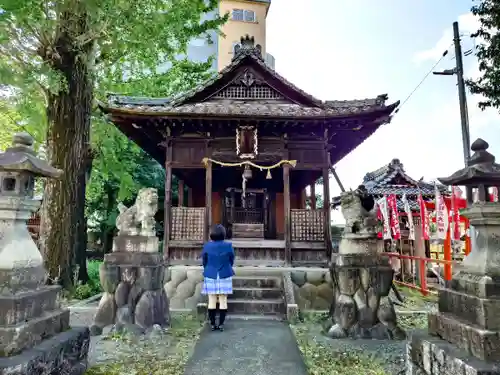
(390,354)
(81,318)
(158,352)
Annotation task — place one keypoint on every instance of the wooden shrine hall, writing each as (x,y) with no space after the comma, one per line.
(246,144)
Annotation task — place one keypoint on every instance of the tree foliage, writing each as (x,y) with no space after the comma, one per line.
(488,53)
(120,167)
(55,57)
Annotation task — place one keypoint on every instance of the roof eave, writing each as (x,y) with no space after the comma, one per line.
(380,112)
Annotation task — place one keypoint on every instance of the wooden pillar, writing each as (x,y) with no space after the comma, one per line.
(233,206)
(286,208)
(168,201)
(326,203)
(447,256)
(419,251)
(180,193)
(303,199)
(313,195)
(190,197)
(326,196)
(208,199)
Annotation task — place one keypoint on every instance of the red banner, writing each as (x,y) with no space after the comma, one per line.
(424,217)
(394,216)
(442,218)
(380,220)
(455,213)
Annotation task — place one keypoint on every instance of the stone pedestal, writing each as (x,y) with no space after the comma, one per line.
(464,334)
(134,299)
(35,336)
(362,278)
(147,244)
(362,308)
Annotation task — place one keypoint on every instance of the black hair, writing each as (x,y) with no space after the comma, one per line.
(218,233)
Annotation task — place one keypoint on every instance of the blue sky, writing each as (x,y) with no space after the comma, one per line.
(352,49)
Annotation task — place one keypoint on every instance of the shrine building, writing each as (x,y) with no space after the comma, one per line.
(246,144)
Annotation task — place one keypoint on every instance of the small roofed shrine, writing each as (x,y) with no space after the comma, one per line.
(247,143)
(393,179)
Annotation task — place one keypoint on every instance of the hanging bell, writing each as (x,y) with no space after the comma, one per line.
(268,175)
(247,173)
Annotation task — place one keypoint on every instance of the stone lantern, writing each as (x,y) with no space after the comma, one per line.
(464,334)
(34,331)
(21,264)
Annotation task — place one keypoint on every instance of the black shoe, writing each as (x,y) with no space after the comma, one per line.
(221,327)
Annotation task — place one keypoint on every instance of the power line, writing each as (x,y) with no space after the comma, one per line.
(422,80)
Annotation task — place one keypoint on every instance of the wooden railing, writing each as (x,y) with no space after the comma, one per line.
(245,215)
(188,223)
(307,225)
(33,224)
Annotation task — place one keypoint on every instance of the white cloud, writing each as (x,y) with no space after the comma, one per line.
(468,24)
(478,119)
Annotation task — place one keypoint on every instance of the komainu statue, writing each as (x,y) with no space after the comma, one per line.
(139,219)
(362,277)
(358,211)
(133,298)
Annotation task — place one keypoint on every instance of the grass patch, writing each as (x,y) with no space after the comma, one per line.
(91,288)
(415,300)
(321,360)
(412,321)
(165,354)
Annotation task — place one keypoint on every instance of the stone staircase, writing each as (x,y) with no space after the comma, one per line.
(257,296)
(241,230)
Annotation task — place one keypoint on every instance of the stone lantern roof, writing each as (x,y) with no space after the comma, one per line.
(21,157)
(481,170)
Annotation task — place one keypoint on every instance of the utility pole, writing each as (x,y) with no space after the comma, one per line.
(459,72)
(464,117)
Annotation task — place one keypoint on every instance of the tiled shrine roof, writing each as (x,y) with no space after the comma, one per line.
(392,179)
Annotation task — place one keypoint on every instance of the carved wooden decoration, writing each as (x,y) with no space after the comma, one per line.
(248,86)
(247,142)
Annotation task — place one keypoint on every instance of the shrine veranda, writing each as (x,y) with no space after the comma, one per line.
(246,144)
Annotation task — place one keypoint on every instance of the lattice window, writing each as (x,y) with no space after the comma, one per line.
(307,225)
(252,92)
(188,223)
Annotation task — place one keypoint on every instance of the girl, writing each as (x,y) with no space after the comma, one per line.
(218,261)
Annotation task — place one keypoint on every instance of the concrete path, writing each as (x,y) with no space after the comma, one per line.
(256,347)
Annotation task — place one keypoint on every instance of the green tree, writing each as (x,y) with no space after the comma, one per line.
(120,167)
(62,52)
(488,53)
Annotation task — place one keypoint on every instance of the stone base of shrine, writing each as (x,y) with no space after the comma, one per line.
(430,355)
(64,353)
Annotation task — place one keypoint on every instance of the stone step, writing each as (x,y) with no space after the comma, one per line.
(256,307)
(256,293)
(248,226)
(274,317)
(256,282)
(243,235)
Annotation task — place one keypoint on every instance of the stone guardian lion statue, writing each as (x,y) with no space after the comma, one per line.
(358,211)
(138,219)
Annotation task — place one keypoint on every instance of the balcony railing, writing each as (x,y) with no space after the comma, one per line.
(307,225)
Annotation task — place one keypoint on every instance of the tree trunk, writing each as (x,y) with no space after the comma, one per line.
(109,230)
(81,251)
(63,217)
